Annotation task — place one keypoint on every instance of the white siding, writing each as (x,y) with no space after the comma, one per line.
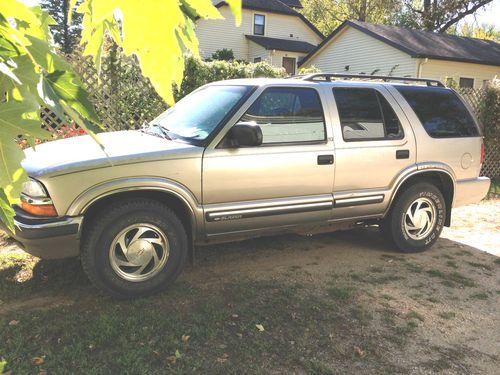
(214,35)
(363,54)
(254,50)
(441,69)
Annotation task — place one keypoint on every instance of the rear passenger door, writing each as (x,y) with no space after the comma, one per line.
(374,143)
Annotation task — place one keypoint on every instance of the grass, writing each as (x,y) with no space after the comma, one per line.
(494,191)
(447,315)
(480,296)
(452,279)
(188,329)
(480,265)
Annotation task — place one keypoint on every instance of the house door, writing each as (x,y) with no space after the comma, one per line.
(289,64)
(285,181)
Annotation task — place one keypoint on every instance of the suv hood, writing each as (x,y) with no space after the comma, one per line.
(83,153)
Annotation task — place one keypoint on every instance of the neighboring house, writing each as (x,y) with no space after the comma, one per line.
(270,31)
(358,47)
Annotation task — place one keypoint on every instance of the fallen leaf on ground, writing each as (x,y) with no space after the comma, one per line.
(223,358)
(37,361)
(359,352)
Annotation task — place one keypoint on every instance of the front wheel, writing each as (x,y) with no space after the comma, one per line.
(136,248)
(416,218)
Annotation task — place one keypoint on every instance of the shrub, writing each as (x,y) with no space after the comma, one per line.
(224,54)
(199,73)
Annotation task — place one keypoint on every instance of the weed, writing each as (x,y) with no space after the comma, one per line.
(415,268)
(452,264)
(480,296)
(415,315)
(447,315)
(480,265)
(339,293)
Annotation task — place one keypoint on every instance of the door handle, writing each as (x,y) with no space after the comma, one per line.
(325,159)
(402,154)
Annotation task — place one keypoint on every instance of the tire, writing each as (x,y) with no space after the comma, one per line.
(413,232)
(153,238)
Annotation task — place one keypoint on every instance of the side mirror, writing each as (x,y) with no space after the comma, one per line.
(245,134)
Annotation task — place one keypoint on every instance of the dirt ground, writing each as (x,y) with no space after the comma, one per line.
(434,312)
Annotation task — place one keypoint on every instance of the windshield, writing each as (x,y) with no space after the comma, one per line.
(199,113)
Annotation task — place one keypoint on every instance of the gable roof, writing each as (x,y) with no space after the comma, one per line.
(289,45)
(274,6)
(425,44)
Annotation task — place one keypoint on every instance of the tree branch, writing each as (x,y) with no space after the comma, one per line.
(460,16)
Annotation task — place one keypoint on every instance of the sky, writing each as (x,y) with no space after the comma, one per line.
(490,14)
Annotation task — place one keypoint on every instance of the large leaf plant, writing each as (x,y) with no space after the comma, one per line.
(33,75)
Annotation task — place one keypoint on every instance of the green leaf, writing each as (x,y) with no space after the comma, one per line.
(160,46)
(66,86)
(18,119)
(6,217)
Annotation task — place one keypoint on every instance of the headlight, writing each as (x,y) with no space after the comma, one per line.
(34,189)
(35,200)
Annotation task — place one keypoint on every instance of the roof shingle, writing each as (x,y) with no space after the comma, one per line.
(289,45)
(422,44)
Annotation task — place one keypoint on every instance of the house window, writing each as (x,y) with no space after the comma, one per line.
(466,82)
(257,59)
(259,22)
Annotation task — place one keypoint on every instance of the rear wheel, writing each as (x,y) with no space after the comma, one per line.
(136,248)
(416,218)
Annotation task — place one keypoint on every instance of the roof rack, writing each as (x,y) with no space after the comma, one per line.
(328,77)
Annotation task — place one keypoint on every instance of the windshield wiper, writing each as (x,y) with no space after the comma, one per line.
(159,131)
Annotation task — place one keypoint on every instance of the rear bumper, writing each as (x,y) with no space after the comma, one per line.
(47,238)
(471,191)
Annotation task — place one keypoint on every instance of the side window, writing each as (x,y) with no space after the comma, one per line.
(440,111)
(366,115)
(288,115)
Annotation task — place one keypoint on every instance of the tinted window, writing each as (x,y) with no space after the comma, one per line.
(440,111)
(288,114)
(366,115)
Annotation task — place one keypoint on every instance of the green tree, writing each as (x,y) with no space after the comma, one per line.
(327,15)
(483,31)
(65,35)
(33,75)
(434,15)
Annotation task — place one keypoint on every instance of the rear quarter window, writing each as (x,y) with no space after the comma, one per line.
(441,112)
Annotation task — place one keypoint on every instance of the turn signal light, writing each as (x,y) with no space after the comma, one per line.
(39,210)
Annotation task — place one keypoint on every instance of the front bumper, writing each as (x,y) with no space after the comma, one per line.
(47,238)
(471,191)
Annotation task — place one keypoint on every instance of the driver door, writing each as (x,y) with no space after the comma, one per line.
(285,181)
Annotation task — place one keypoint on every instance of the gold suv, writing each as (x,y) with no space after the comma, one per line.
(244,158)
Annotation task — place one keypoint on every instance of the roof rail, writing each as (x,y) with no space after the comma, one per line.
(328,77)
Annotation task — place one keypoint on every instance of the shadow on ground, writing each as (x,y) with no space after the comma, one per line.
(327,304)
